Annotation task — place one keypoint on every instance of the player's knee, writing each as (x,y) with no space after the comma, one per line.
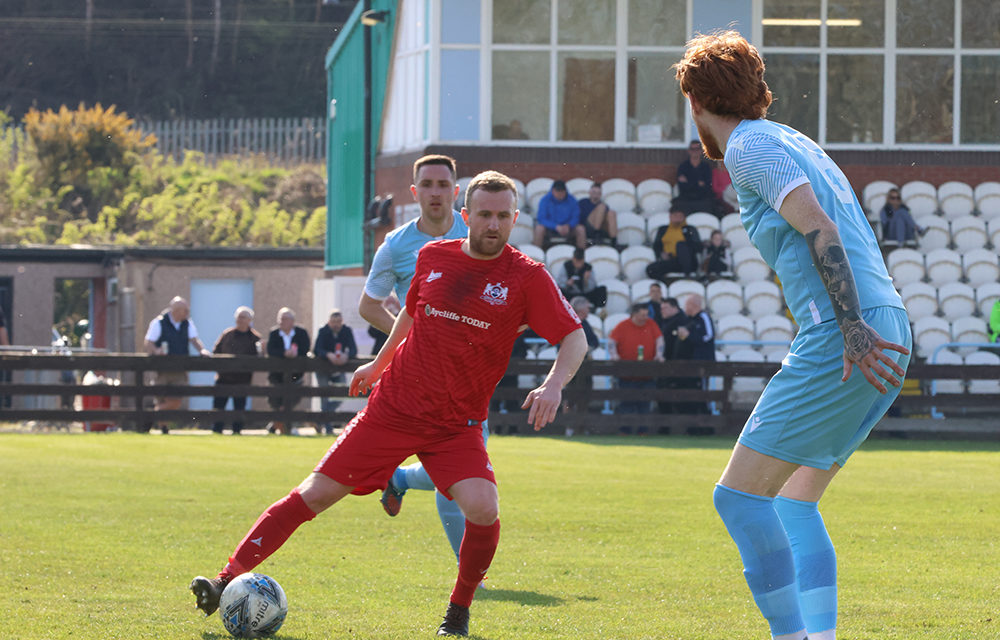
(483,513)
(320,492)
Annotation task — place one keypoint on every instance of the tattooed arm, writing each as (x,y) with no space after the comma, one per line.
(862,345)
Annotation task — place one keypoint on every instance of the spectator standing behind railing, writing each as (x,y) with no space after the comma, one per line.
(635,338)
(698,340)
(172,333)
(671,319)
(334,342)
(287,340)
(239,340)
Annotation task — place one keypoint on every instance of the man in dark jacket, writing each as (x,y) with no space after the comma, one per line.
(671,319)
(676,247)
(287,340)
(698,336)
(240,340)
(335,343)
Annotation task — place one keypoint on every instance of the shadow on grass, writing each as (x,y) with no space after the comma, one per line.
(532,598)
(210,635)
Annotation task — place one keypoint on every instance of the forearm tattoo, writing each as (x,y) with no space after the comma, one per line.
(831,263)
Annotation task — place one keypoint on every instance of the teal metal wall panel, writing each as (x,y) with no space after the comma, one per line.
(345,197)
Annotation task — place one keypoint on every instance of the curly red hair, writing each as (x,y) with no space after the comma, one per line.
(725,74)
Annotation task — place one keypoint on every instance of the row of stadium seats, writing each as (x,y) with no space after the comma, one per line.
(973,386)
(951,200)
(930,332)
(941,266)
(952,300)
(963,234)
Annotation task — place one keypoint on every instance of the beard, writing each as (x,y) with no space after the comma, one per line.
(487,247)
(709,144)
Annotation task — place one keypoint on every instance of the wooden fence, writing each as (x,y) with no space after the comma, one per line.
(585,411)
(282,140)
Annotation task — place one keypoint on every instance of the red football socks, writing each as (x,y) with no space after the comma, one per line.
(273,527)
(474,558)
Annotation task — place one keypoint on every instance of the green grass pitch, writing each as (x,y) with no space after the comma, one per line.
(601,538)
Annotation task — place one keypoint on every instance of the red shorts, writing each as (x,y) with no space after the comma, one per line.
(372,446)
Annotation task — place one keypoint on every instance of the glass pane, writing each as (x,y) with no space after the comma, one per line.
(981,23)
(923,98)
(522,21)
(587,22)
(586,96)
(794,82)
(855,23)
(980,99)
(655,107)
(791,23)
(520,95)
(920,23)
(657,23)
(854,98)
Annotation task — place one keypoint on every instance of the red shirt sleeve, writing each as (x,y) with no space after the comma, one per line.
(546,310)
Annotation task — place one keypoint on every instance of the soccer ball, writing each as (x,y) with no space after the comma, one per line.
(253,606)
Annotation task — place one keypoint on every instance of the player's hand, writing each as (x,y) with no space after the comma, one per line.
(544,403)
(364,379)
(864,347)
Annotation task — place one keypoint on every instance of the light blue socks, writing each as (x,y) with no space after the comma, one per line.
(815,562)
(768,565)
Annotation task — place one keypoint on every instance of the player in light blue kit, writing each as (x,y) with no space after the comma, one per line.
(435,189)
(802,215)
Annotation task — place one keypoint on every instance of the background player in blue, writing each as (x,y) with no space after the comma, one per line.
(802,215)
(435,189)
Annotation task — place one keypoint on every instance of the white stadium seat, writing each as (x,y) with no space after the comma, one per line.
(734,327)
(929,333)
(634,261)
(775,355)
(605,261)
(547,353)
(957,300)
(596,324)
(579,188)
(600,382)
(945,385)
(969,330)
(681,289)
(522,197)
(734,233)
(775,329)
(920,197)
(943,265)
(936,234)
(725,297)
(747,387)
(521,235)
(532,251)
(705,223)
(980,266)
(534,191)
(749,265)
(631,228)
(968,232)
(920,300)
(619,296)
(557,255)
(762,298)
(991,385)
(654,222)
(654,196)
(986,296)
(905,266)
(640,289)
(955,199)
(619,194)
(873,196)
(993,231)
(987,196)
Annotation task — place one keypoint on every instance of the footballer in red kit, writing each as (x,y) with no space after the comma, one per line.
(430,389)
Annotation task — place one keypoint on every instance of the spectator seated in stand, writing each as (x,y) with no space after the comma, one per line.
(599,220)
(716,260)
(558,215)
(694,183)
(575,277)
(897,224)
(676,247)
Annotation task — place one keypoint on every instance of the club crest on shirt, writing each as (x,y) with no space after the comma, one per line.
(495,294)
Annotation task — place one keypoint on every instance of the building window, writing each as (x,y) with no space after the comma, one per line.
(980,24)
(522,21)
(794,81)
(980,99)
(924,98)
(854,98)
(657,23)
(520,95)
(656,108)
(586,23)
(922,24)
(586,99)
(791,23)
(856,23)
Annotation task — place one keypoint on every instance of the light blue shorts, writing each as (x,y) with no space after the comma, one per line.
(806,415)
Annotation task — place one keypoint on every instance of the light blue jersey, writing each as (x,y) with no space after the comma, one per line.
(766,161)
(396,258)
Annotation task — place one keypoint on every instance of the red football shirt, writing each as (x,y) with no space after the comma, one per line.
(466,314)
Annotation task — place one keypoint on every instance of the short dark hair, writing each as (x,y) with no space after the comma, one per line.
(423,161)
(558,185)
(595,183)
(637,307)
(492,182)
(672,302)
(578,254)
(676,208)
(695,141)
